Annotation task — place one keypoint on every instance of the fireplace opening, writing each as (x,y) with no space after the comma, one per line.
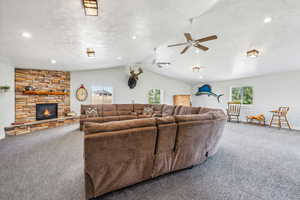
(46,111)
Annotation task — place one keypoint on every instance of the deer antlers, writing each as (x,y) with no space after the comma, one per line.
(134,74)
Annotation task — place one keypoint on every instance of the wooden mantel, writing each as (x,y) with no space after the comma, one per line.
(45,93)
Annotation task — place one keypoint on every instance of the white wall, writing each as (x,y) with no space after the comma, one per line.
(270,92)
(7,99)
(118,78)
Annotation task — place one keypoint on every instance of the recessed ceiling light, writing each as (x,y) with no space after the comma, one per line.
(119,58)
(26,35)
(133,37)
(53,61)
(91,52)
(197,51)
(201,77)
(267,20)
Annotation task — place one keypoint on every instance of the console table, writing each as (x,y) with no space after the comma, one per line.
(29,127)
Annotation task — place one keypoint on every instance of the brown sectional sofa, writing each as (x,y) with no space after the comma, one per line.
(125,152)
(119,112)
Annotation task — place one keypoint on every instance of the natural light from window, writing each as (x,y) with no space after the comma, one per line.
(102,95)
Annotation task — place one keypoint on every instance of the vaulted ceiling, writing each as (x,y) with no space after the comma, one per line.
(62,32)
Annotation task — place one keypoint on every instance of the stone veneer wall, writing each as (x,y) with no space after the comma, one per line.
(40,80)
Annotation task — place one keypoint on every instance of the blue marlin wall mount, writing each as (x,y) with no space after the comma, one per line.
(207,90)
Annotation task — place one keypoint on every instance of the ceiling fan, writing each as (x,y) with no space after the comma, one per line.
(159,64)
(196,43)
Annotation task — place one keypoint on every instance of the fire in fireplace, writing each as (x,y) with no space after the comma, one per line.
(46,111)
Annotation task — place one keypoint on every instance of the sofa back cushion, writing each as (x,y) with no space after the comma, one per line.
(195,110)
(109,110)
(168,110)
(91,128)
(157,109)
(100,110)
(138,108)
(198,117)
(185,110)
(177,110)
(125,109)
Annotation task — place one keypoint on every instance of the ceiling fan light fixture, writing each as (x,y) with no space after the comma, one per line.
(253,53)
(196,69)
(90,7)
(90,52)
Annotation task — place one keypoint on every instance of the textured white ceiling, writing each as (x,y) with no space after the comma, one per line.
(60,31)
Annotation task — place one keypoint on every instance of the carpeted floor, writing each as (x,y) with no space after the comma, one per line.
(253,163)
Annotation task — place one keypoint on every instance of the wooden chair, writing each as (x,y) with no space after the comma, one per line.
(233,111)
(280,117)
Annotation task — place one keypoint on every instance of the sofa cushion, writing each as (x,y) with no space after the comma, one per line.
(185,110)
(168,110)
(127,117)
(177,110)
(100,110)
(111,118)
(205,110)
(138,108)
(144,116)
(195,110)
(109,110)
(94,119)
(165,120)
(148,110)
(157,108)
(199,117)
(125,109)
(118,125)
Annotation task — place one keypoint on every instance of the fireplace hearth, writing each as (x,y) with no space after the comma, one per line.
(46,111)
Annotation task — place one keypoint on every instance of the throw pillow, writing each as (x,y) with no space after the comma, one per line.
(91,112)
(148,110)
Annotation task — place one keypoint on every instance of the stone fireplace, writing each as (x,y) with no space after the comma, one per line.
(46,111)
(42,81)
(44,105)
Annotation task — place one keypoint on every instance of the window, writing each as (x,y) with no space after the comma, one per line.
(155,96)
(243,95)
(102,95)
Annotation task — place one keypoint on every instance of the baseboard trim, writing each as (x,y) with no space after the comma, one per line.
(265,126)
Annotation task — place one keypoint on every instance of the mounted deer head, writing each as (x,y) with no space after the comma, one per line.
(134,76)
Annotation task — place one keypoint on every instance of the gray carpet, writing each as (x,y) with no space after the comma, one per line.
(253,163)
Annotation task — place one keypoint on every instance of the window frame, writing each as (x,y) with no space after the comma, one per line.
(242,94)
(161,96)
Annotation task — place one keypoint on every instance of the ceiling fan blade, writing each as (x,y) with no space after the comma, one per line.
(163,63)
(213,37)
(204,48)
(153,61)
(185,49)
(179,44)
(188,37)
